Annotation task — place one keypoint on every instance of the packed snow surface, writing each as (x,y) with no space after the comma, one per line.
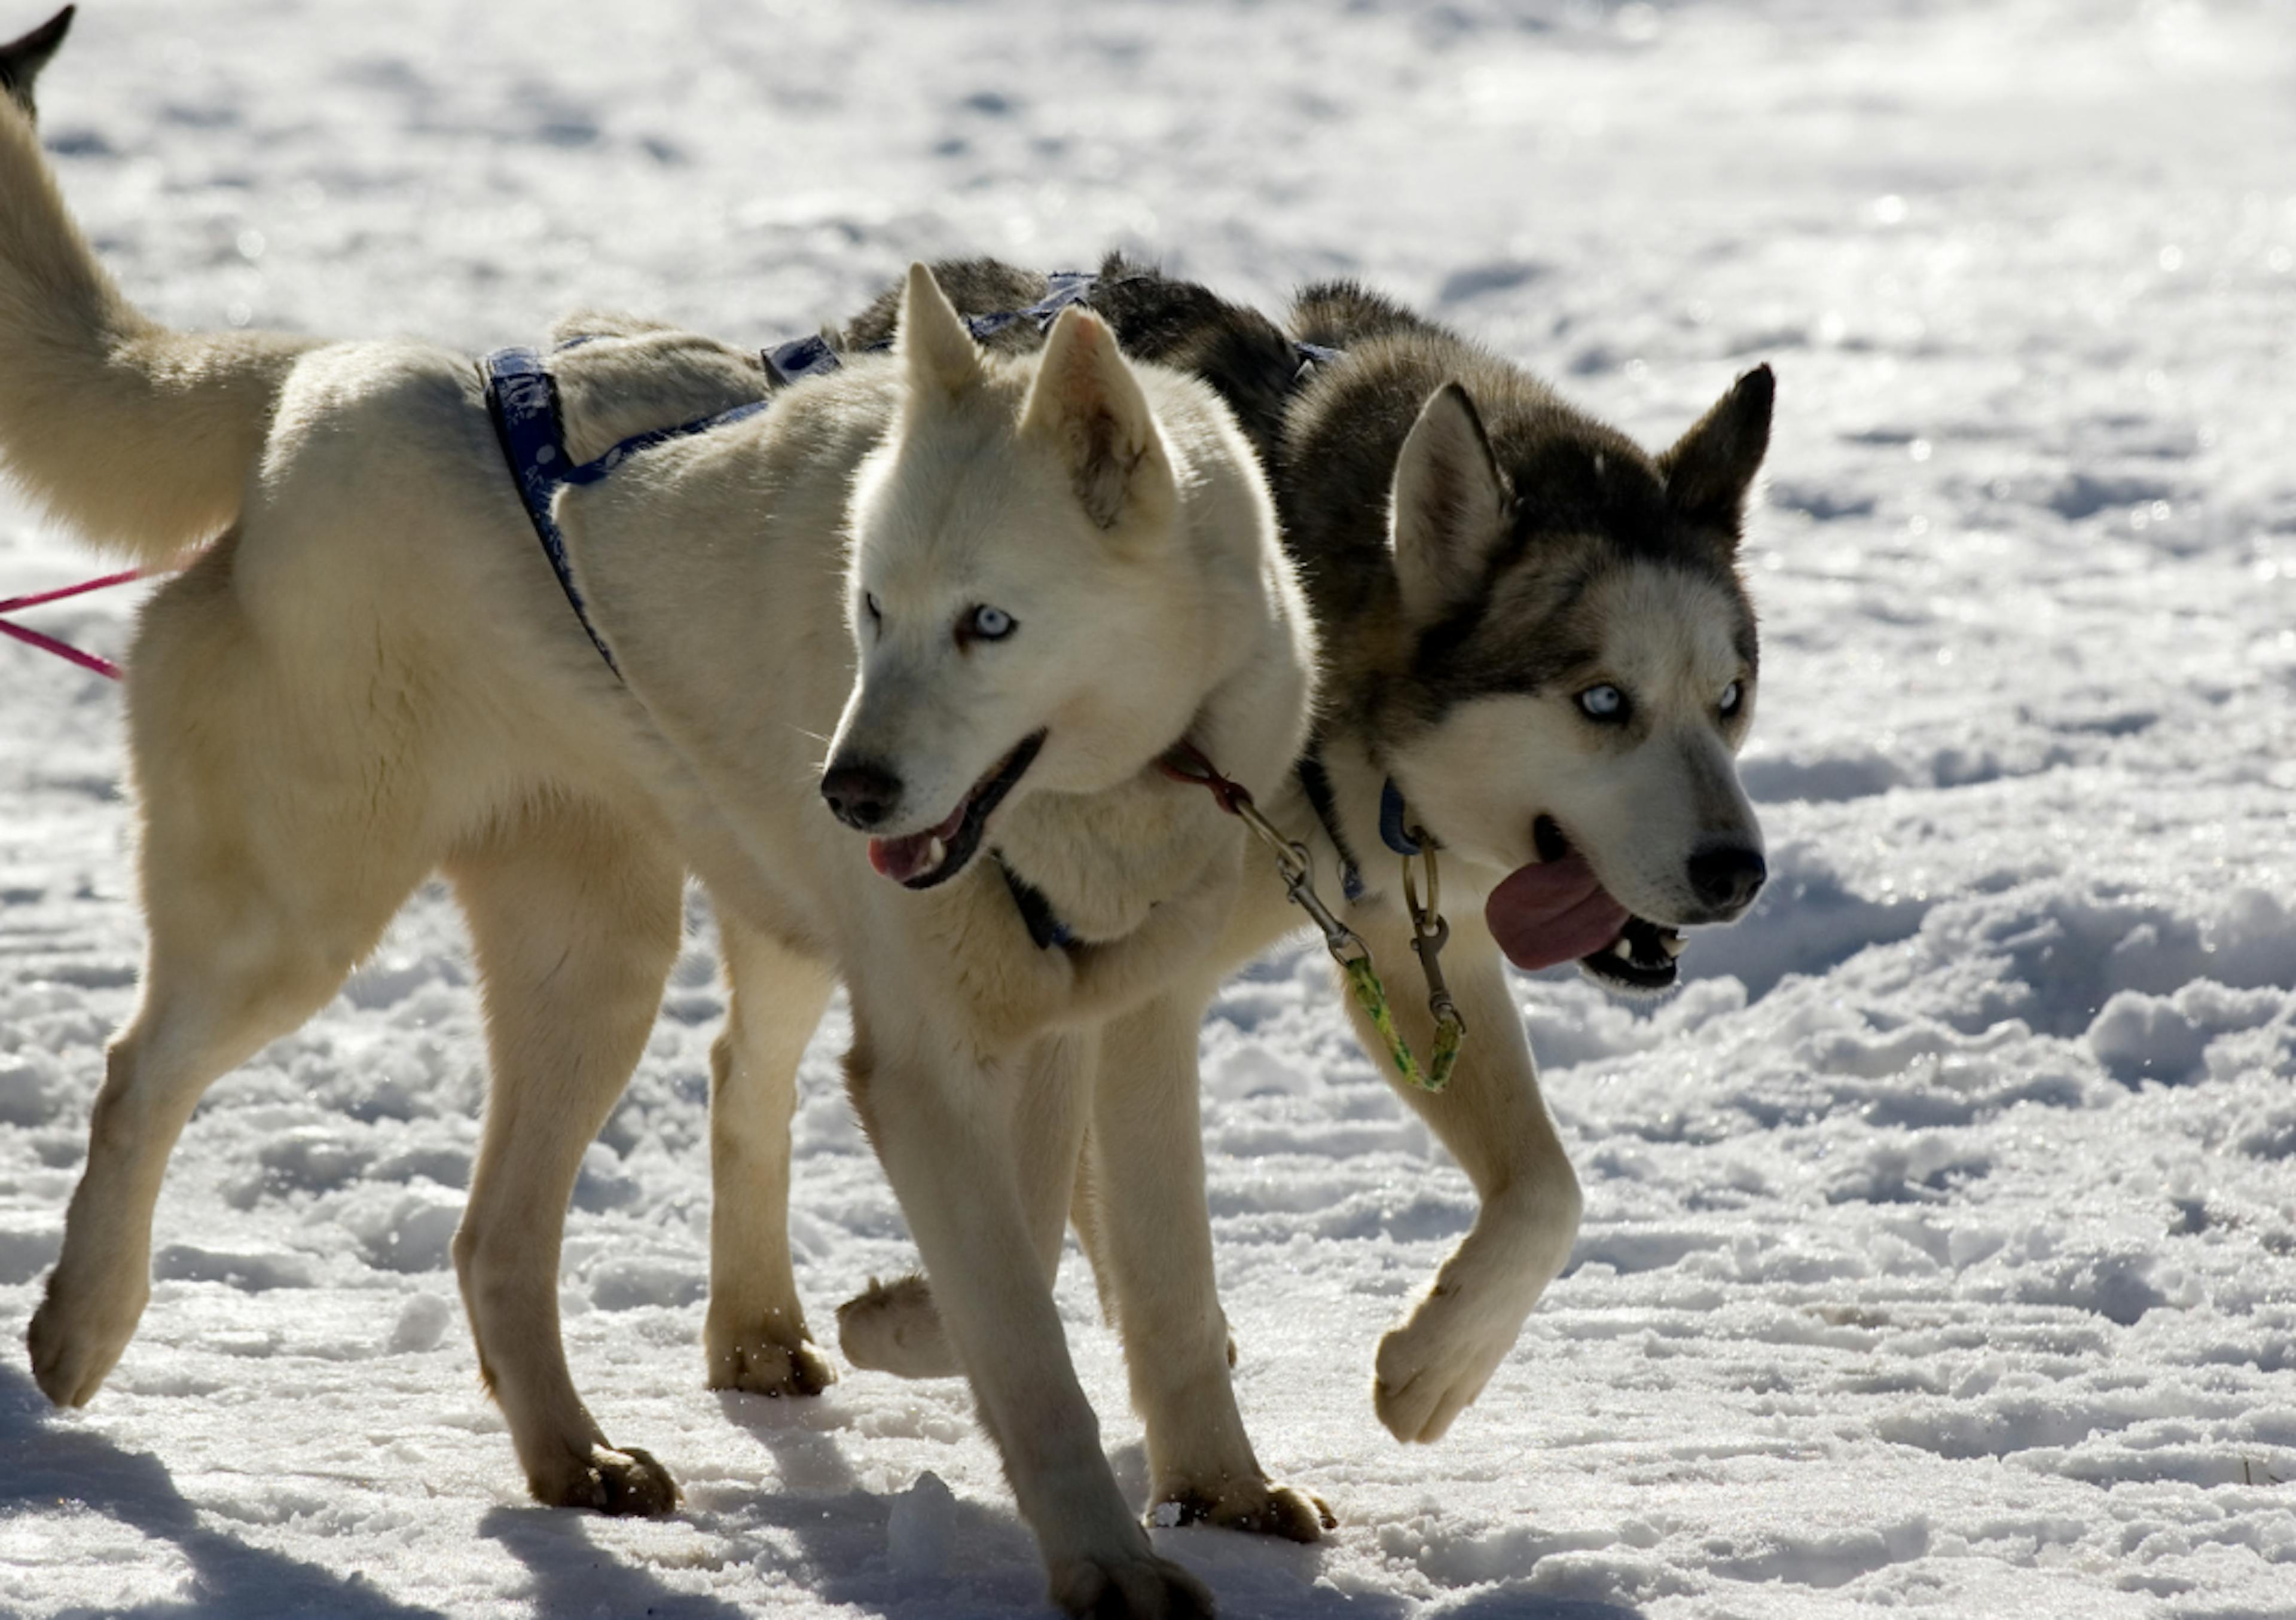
(1940,1245)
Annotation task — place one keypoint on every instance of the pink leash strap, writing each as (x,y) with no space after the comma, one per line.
(49,643)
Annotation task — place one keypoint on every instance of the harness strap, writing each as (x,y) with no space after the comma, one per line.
(1045,929)
(814,356)
(523,402)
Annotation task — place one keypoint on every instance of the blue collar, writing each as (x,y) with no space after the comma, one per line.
(1392,831)
(1316,781)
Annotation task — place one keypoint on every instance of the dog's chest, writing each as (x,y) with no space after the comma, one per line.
(1101,863)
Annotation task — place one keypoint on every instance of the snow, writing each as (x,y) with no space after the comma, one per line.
(1941,1247)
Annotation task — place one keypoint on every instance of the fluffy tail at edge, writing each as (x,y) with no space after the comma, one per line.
(141,438)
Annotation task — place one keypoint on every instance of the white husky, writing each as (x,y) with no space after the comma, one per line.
(1056,569)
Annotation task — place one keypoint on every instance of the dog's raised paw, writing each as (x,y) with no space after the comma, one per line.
(1432,1368)
(73,1348)
(1258,1508)
(1135,1588)
(757,1363)
(895,1327)
(623,1483)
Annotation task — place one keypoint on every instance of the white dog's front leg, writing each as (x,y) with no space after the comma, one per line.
(895,1327)
(941,1124)
(755,1334)
(1152,1244)
(1492,1118)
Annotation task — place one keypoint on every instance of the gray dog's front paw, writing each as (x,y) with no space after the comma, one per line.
(78,1335)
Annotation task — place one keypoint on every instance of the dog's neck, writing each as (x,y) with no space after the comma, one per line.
(1101,860)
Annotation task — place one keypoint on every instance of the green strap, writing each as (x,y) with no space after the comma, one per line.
(1448,1036)
(1370,995)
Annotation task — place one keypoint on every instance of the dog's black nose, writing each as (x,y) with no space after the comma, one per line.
(861,794)
(1729,878)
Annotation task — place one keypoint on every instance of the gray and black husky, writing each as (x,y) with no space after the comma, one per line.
(1537,653)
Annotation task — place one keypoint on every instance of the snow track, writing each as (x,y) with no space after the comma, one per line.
(1940,1248)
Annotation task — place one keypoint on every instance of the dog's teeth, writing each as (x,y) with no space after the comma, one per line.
(1622,949)
(936,853)
(1672,943)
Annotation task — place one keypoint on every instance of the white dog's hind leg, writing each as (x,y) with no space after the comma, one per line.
(755,1335)
(1152,1245)
(257,909)
(206,1009)
(1431,1367)
(575,919)
(895,1327)
(942,1126)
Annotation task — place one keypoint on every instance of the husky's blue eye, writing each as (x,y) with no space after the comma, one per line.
(1733,695)
(1604,702)
(985,623)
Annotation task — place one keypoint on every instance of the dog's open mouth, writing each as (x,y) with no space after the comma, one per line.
(938,853)
(1557,910)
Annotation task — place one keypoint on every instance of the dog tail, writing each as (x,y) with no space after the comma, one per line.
(141,438)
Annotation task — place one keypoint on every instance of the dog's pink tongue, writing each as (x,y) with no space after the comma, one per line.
(902,858)
(1553,911)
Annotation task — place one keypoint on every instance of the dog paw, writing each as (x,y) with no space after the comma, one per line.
(895,1327)
(1143,1588)
(1432,1368)
(76,1336)
(758,1362)
(1254,1507)
(624,1484)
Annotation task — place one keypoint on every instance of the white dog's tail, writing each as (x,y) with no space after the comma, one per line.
(140,437)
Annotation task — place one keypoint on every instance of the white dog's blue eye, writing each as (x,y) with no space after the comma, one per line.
(986,624)
(1604,702)
(1733,695)
(869,603)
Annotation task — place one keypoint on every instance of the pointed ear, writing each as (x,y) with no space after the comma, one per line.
(1088,405)
(1711,467)
(936,344)
(1451,505)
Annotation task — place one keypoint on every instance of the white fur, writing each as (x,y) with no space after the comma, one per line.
(373,676)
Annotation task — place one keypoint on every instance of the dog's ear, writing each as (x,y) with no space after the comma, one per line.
(1451,505)
(1710,468)
(22,58)
(937,346)
(1086,404)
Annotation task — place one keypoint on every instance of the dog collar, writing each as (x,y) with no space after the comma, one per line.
(1391,830)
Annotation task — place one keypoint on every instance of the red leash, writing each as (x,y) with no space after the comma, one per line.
(49,643)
